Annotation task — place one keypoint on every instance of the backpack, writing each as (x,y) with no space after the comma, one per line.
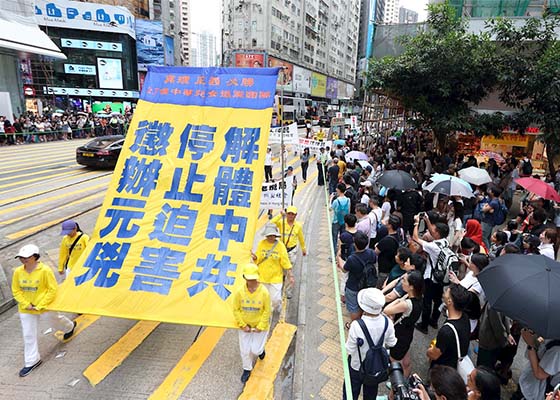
(400,239)
(527,168)
(446,260)
(369,275)
(374,368)
(501,213)
(354,197)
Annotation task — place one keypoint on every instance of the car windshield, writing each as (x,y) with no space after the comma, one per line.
(101,143)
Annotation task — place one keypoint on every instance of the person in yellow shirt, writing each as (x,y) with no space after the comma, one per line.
(73,245)
(34,288)
(272,259)
(251,308)
(291,232)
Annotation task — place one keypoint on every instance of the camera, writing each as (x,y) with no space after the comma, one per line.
(421,215)
(402,387)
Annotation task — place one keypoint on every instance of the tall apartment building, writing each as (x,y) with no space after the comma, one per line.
(204,50)
(496,8)
(184,31)
(407,16)
(319,36)
(391,13)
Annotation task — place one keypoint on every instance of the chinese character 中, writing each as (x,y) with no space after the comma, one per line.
(232,228)
(152,138)
(126,216)
(157,270)
(199,139)
(235,185)
(174,225)
(241,144)
(213,271)
(139,175)
(103,258)
(187,194)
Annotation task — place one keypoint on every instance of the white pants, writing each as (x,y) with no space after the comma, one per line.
(30,327)
(292,255)
(275,291)
(251,345)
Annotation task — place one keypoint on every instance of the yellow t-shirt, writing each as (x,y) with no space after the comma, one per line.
(291,240)
(76,251)
(272,269)
(38,288)
(252,309)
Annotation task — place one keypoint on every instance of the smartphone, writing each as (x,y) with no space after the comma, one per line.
(556,392)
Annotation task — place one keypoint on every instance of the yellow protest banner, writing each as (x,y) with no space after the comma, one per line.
(180,214)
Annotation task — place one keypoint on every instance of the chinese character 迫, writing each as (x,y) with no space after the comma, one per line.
(232,228)
(174,225)
(199,139)
(241,143)
(187,194)
(235,185)
(103,258)
(157,270)
(213,271)
(139,175)
(152,138)
(126,216)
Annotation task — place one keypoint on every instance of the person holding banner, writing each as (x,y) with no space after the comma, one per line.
(251,308)
(272,259)
(73,245)
(304,158)
(291,231)
(268,165)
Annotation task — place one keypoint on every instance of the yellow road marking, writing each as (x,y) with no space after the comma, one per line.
(42,178)
(37,228)
(83,321)
(185,370)
(117,353)
(74,176)
(261,383)
(33,162)
(13,173)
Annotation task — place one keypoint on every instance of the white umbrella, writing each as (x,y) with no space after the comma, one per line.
(476,176)
(450,187)
(444,177)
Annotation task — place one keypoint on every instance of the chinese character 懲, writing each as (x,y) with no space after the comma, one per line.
(235,185)
(187,194)
(174,225)
(103,258)
(232,228)
(199,139)
(157,270)
(213,271)
(139,175)
(126,216)
(152,138)
(241,144)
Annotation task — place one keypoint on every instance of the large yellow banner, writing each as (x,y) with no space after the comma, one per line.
(181,211)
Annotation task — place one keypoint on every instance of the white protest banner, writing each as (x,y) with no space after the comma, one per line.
(271,196)
(314,145)
(290,133)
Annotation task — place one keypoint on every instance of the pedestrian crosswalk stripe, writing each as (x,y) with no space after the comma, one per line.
(25,167)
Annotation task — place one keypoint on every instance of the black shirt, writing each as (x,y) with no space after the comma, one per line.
(355,267)
(447,342)
(387,247)
(333,173)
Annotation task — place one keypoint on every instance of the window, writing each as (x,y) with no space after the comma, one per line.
(254,42)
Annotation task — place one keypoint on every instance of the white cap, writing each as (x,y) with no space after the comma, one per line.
(27,251)
(371,300)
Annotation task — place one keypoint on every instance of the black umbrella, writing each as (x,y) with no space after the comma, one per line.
(525,288)
(397,179)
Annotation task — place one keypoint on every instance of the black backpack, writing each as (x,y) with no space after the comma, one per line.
(527,168)
(374,368)
(354,198)
(369,275)
(447,259)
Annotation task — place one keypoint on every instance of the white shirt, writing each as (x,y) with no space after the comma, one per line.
(433,250)
(375,327)
(547,249)
(268,159)
(386,209)
(549,361)
(375,218)
(470,282)
(364,225)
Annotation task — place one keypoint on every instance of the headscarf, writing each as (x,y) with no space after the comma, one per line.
(474,231)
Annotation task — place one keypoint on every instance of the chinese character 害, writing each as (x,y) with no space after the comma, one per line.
(157,270)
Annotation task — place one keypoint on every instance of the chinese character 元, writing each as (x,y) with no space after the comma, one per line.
(126,216)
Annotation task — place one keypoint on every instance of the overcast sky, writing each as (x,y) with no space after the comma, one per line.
(417,5)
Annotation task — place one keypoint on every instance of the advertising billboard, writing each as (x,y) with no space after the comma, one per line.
(110,73)
(149,42)
(302,80)
(318,84)
(80,69)
(169,55)
(249,60)
(285,75)
(332,88)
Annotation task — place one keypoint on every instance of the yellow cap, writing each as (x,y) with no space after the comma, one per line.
(291,209)
(250,271)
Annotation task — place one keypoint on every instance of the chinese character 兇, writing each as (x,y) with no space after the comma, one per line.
(103,258)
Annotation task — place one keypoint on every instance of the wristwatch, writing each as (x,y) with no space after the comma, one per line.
(530,348)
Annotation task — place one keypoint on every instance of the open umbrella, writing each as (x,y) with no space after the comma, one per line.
(539,188)
(476,176)
(341,142)
(525,288)
(492,154)
(356,155)
(364,164)
(397,179)
(450,187)
(445,177)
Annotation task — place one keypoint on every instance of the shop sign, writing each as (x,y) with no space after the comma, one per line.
(90,92)
(338,121)
(29,91)
(90,45)
(506,140)
(79,69)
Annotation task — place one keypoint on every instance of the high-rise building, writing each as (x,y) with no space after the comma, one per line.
(391,13)
(316,40)
(371,15)
(498,8)
(204,50)
(407,16)
(184,31)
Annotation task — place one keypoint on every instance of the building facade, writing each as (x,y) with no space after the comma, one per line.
(371,15)
(391,13)
(315,40)
(407,16)
(204,50)
(497,8)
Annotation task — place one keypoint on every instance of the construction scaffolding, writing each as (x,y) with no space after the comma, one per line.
(382,114)
(497,8)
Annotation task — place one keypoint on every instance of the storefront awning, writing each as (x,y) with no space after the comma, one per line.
(21,35)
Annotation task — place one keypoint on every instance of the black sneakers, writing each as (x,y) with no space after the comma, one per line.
(261,356)
(68,335)
(27,370)
(245,376)
(423,329)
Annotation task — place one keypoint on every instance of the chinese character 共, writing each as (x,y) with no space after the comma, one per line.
(213,271)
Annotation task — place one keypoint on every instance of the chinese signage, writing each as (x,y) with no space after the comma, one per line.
(249,60)
(318,84)
(79,69)
(67,91)
(289,132)
(313,145)
(181,211)
(271,197)
(90,45)
(506,139)
(85,16)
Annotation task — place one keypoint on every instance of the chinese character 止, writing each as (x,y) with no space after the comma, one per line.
(174,225)
(157,270)
(152,138)
(232,228)
(186,194)
(241,144)
(139,175)
(235,185)
(213,271)
(117,215)
(103,258)
(199,139)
